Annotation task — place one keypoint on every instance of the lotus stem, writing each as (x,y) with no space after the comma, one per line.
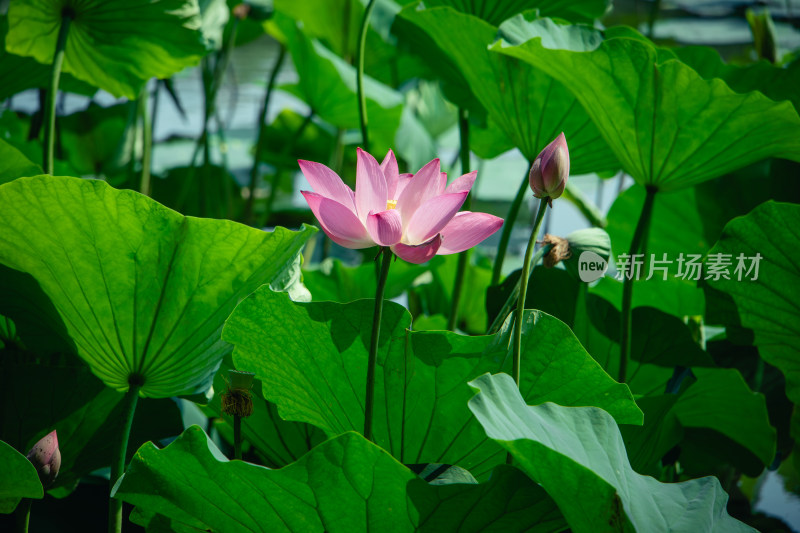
(373,345)
(362,100)
(118,466)
(262,117)
(505,236)
(463,257)
(55,77)
(523,290)
(639,241)
(237,437)
(23,515)
(147,141)
(513,296)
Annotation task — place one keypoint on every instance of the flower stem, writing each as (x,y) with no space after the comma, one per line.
(237,437)
(118,466)
(463,257)
(262,117)
(638,243)
(147,141)
(362,100)
(373,345)
(23,515)
(513,296)
(523,291)
(505,236)
(55,76)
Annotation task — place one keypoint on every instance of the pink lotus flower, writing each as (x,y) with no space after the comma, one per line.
(550,170)
(415,215)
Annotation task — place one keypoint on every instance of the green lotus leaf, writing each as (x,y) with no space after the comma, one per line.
(770,304)
(528,105)
(579,450)
(19,73)
(311,360)
(778,83)
(277,442)
(15,164)
(116,48)
(345,484)
(722,401)
(669,127)
(142,290)
(495,12)
(18,479)
(327,83)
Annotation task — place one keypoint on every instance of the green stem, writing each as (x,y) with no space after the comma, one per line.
(373,345)
(505,236)
(23,515)
(511,301)
(147,142)
(362,100)
(118,466)
(638,242)
(463,257)
(262,117)
(523,290)
(55,76)
(237,437)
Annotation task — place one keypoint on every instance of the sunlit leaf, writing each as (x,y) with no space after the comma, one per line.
(345,484)
(495,12)
(529,106)
(669,127)
(311,359)
(112,47)
(142,290)
(558,447)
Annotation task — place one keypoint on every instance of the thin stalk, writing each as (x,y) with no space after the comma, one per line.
(638,242)
(373,345)
(262,117)
(513,296)
(147,142)
(23,515)
(523,290)
(362,101)
(463,257)
(237,437)
(118,466)
(505,236)
(55,76)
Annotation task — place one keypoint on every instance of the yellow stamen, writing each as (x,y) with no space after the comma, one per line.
(391,204)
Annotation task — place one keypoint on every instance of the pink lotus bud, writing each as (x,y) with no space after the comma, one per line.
(46,458)
(550,170)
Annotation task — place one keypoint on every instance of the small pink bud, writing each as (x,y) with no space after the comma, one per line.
(550,170)
(46,458)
